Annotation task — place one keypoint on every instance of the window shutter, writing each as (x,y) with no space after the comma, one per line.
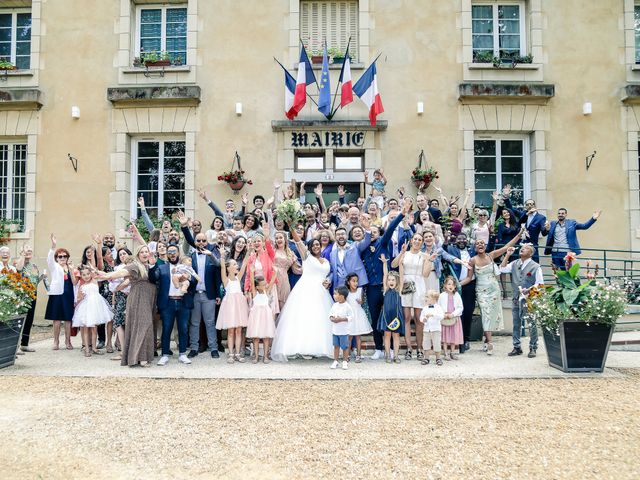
(333,20)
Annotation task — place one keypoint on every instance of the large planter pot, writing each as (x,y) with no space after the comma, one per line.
(579,347)
(10,333)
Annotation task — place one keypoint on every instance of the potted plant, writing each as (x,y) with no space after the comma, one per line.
(153,59)
(577,318)
(6,65)
(7,227)
(16,295)
(316,56)
(337,55)
(235,179)
(483,57)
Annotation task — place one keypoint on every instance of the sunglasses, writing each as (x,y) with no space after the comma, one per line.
(172,252)
(483,215)
(201,240)
(62,256)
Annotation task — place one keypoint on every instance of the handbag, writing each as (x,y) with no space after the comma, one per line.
(408,287)
(448,322)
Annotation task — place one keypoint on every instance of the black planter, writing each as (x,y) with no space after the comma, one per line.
(580,347)
(10,333)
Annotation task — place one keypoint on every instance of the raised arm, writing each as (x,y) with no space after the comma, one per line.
(512,242)
(99,260)
(398,260)
(184,221)
(462,214)
(145,216)
(223,267)
(302,248)
(318,191)
(591,221)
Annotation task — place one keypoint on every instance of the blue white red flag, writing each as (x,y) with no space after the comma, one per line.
(367,89)
(305,77)
(346,96)
(289,94)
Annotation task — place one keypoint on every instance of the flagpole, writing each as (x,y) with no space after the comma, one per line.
(283,67)
(333,112)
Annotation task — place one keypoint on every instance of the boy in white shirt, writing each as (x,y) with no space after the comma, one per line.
(431,316)
(340,315)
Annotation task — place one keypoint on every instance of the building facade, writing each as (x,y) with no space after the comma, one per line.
(493,92)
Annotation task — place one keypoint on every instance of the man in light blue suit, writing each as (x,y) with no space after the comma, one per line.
(345,257)
(562,236)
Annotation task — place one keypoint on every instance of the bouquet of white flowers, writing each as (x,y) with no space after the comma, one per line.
(290,212)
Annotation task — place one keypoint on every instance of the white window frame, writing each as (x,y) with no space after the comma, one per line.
(134,171)
(317,43)
(163,28)
(496,34)
(11,179)
(14,31)
(526,160)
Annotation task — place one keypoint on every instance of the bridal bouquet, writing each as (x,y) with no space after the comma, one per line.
(290,212)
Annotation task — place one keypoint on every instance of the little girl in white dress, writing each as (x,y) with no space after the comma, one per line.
(91,310)
(360,324)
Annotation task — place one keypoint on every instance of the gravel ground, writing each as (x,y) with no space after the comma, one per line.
(54,427)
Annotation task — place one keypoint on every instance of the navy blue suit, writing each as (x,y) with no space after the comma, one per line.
(172,309)
(373,267)
(534,229)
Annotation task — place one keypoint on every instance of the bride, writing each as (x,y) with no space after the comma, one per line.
(303,326)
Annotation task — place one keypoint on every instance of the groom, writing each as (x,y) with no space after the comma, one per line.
(345,258)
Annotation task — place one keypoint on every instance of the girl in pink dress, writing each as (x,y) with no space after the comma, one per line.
(261,317)
(234,311)
(451,304)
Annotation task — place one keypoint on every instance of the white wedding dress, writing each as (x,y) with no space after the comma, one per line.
(303,326)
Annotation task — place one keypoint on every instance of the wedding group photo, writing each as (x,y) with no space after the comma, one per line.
(319,238)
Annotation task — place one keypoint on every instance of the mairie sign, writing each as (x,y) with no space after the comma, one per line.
(327,139)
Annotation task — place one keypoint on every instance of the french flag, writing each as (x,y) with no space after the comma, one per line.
(289,95)
(305,77)
(367,89)
(345,79)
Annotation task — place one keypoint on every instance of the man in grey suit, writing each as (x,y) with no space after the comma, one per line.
(525,274)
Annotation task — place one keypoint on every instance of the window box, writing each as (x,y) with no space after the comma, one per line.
(158,63)
(518,66)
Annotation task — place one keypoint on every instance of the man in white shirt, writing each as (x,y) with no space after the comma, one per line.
(525,274)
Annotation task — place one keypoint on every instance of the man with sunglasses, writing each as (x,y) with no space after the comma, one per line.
(533,220)
(173,305)
(206,296)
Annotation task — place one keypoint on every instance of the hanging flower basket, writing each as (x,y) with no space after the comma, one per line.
(235,178)
(423,176)
(236,186)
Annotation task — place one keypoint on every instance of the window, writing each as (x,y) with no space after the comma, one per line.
(333,21)
(160,175)
(497,30)
(13,181)
(163,29)
(636,18)
(15,38)
(309,162)
(348,162)
(500,162)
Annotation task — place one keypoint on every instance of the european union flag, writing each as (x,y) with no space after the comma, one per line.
(324,86)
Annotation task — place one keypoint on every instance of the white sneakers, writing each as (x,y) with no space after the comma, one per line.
(163,360)
(377,355)
(345,365)
(183,359)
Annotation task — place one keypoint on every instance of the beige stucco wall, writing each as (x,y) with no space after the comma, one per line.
(423,53)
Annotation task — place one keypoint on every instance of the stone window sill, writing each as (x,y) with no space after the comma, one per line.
(334,66)
(519,66)
(635,67)
(17,73)
(143,70)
